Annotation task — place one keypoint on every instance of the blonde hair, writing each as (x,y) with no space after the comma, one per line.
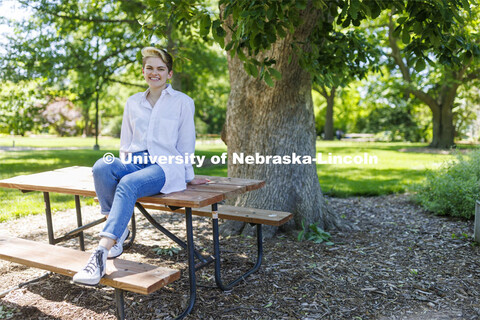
(148,52)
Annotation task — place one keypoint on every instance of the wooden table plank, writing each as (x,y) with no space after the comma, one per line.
(79,181)
(250,184)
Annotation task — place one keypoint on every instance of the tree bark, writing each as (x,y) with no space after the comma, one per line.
(276,121)
(443,128)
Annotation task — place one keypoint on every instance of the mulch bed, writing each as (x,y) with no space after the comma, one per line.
(401,263)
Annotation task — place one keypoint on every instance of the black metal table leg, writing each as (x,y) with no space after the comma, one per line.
(198,255)
(48,212)
(119,300)
(191,264)
(216,249)
(78,208)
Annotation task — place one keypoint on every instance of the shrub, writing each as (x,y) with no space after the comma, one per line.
(453,189)
(113,126)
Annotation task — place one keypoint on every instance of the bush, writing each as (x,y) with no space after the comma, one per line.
(453,189)
(113,127)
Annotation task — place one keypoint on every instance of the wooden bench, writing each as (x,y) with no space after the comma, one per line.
(123,275)
(249,215)
(78,181)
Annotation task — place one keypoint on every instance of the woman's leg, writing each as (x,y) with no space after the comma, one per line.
(142,183)
(106,177)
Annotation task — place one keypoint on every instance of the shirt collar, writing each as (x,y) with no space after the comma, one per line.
(168,89)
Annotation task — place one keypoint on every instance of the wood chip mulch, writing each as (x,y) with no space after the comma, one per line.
(401,263)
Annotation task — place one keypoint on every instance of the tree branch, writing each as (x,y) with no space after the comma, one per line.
(125,83)
(424,97)
(80,18)
(396,54)
(475,74)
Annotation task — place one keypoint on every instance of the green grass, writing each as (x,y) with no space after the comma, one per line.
(395,171)
(55,142)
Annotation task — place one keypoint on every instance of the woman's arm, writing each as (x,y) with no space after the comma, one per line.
(126,133)
(186,136)
(199,181)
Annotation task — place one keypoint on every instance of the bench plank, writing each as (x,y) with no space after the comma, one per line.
(249,215)
(122,274)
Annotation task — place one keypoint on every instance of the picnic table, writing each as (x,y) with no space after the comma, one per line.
(127,275)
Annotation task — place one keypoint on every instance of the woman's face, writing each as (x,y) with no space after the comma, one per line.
(156,73)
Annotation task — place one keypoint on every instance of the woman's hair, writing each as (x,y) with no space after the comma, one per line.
(148,52)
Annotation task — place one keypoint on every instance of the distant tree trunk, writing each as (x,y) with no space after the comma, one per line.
(443,128)
(276,121)
(328,130)
(86,118)
(329,115)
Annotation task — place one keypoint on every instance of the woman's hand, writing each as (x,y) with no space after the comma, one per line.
(199,181)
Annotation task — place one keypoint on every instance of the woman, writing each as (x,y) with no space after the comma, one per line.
(157,122)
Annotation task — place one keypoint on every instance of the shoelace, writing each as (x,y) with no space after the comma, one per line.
(95,261)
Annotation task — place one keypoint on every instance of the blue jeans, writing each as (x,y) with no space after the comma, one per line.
(119,185)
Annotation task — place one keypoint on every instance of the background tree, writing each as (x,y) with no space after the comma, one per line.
(89,51)
(455,65)
(278,118)
(344,57)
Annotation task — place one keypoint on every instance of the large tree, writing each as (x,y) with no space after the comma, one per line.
(345,57)
(438,85)
(277,118)
(76,46)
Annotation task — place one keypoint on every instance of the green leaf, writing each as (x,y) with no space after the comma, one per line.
(420,65)
(401,20)
(301,4)
(275,73)
(241,55)
(218,32)
(397,31)
(229,46)
(205,25)
(251,69)
(268,80)
(405,36)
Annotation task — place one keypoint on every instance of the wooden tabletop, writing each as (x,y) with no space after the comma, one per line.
(79,181)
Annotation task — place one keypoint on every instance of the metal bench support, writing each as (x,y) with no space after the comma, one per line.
(216,249)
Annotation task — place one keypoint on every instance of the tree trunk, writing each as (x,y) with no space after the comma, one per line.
(328,130)
(443,127)
(86,118)
(276,121)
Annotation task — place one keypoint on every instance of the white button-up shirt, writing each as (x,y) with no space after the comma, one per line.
(167,129)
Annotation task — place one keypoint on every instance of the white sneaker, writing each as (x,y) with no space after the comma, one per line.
(117,249)
(94,270)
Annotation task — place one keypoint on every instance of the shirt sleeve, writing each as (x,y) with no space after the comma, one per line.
(186,137)
(126,133)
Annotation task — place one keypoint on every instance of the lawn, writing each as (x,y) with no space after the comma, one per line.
(394,172)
